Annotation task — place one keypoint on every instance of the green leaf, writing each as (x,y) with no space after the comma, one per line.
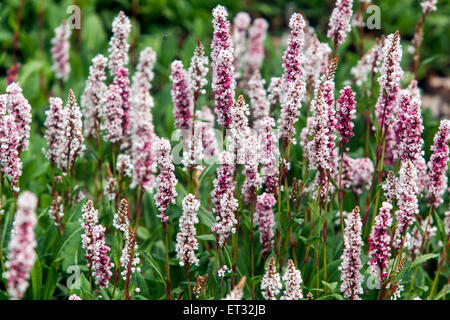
(36,280)
(422,259)
(153,264)
(331,286)
(71,240)
(208,237)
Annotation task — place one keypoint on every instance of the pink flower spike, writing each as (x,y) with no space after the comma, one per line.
(55,131)
(187,243)
(19,107)
(21,247)
(258,97)
(93,241)
(255,52)
(265,218)
(437,179)
(293,280)
(345,114)
(379,243)
(351,262)
(182,97)
(118,44)
(60,51)
(339,23)
(166,181)
(9,155)
(94,96)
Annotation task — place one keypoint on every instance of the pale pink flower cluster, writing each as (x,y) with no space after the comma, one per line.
(60,51)
(275,90)
(351,262)
(143,77)
(166,181)
(271,282)
(428,6)
(124,165)
(269,152)
(292,281)
(193,154)
(408,128)
(406,200)
(223,198)
(447,223)
(345,107)
(293,58)
(187,244)
(339,23)
(117,108)
(118,44)
(182,97)
(143,165)
(74,297)
(316,58)
(357,173)
(415,242)
(21,254)
(258,97)
(370,62)
(72,142)
(222,59)
(291,104)
(55,130)
(379,242)
(390,187)
(93,241)
(9,154)
(206,123)
(390,75)
(437,165)
(255,53)
(265,218)
(241,22)
(198,69)
(318,148)
(238,130)
(129,246)
(19,107)
(94,95)
(109,189)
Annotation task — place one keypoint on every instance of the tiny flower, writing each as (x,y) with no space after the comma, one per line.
(370,62)
(74,297)
(275,90)
(109,190)
(428,6)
